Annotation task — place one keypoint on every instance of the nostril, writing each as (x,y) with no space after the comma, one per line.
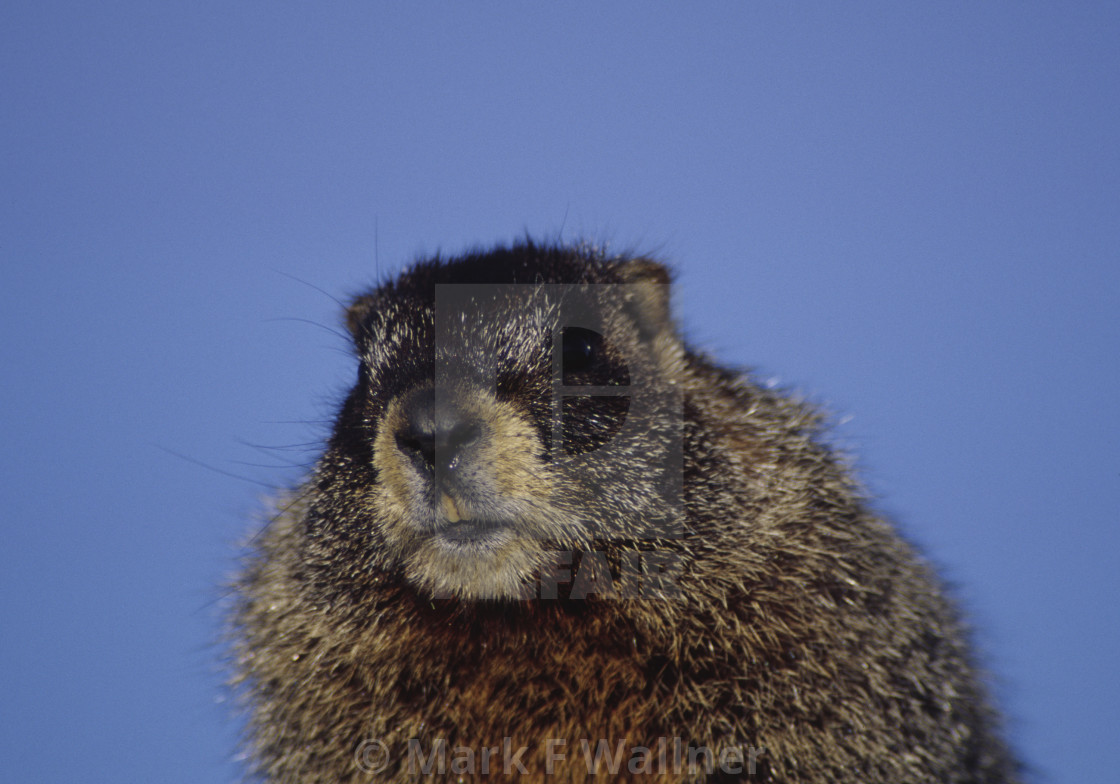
(419,447)
(463,435)
(452,440)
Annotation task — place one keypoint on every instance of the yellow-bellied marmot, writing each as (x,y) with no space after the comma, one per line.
(547,539)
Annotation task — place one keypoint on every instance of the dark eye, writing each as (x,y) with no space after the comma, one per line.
(581,349)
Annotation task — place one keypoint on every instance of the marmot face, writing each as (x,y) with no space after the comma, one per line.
(544,402)
(494,423)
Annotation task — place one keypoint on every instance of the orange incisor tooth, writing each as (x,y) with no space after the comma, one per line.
(450,510)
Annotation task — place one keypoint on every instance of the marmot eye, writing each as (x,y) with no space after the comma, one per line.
(581,349)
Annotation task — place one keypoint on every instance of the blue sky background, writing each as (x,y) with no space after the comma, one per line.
(909,212)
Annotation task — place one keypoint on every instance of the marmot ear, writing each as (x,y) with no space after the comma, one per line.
(649,304)
(358,318)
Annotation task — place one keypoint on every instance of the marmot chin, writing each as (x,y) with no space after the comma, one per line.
(548,539)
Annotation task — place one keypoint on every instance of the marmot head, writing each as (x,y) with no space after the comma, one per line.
(508,405)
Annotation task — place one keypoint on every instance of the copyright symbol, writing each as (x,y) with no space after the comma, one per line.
(371,756)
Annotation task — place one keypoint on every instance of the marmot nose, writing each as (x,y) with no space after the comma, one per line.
(436,437)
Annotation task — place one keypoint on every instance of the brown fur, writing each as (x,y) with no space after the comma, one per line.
(735,594)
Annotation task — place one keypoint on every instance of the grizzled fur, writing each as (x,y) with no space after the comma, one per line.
(677,556)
